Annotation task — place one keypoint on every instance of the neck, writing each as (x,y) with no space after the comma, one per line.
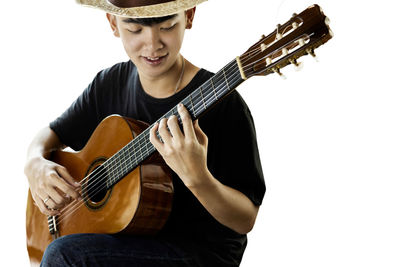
(166,84)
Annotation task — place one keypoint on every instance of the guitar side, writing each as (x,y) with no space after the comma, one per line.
(138,204)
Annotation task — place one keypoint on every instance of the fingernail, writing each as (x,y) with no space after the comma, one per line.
(180,105)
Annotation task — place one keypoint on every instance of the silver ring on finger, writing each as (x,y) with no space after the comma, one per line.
(46,199)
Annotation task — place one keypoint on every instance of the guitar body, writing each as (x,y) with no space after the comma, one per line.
(138,204)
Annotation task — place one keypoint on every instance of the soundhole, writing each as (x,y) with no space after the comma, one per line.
(97,182)
(94,189)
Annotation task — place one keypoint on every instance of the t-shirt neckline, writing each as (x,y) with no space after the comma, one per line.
(150,99)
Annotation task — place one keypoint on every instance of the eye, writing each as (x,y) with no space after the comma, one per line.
(134,32)
(168,28)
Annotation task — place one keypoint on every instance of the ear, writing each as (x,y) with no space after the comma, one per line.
(112,19)
(190,17)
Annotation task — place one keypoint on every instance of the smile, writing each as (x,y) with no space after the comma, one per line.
(154,60)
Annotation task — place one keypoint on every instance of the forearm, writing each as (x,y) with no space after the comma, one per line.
(227,205)
(43,143)
(186,154)
(45,176)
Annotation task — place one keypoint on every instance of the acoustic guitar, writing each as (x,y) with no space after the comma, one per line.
(126,186)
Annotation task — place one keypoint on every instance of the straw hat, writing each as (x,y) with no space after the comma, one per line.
(141,8)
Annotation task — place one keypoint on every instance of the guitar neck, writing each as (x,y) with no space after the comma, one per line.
(297,37)
(197,103)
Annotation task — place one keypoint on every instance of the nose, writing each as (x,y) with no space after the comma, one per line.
(152,40)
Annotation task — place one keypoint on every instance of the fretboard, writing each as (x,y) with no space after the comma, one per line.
(198,102)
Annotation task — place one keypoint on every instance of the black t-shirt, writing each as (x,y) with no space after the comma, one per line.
(232,156)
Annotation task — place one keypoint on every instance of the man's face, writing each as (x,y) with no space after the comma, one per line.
(153,49)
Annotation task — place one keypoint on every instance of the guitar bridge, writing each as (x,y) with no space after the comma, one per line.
(52,222)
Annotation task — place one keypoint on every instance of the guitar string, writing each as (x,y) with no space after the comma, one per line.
(218,87)
(139,137)
(147,149)
(97,180)
(194,109)
(151,146)
(248,54)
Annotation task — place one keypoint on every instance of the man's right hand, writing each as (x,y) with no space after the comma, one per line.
(50,184)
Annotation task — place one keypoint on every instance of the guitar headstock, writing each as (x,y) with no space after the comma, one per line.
(299,36)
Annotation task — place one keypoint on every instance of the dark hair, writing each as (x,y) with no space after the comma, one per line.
(148,21)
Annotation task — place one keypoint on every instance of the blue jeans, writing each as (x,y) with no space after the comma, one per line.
(114,250)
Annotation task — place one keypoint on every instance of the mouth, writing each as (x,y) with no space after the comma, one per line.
(154,60)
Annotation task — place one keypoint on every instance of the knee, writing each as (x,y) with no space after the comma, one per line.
(57,253)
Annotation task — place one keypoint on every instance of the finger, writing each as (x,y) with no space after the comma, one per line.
(63,172)
(51,205)
(154,138)
(173,126)
(66,187)
(163,131)
(201,136)
(58,198)
(57,189)
(43,207)
(187,122)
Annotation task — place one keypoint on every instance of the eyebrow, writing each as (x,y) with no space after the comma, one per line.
(148,21)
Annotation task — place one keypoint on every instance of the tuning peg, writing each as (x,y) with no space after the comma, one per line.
(298,65)
(295,25)
(263,47)
(311,52)
(278,71)
(302,42)
(327,21)
(278,34)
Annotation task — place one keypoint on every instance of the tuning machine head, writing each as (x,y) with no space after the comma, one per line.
(298,65)
(311,52)
(278,71)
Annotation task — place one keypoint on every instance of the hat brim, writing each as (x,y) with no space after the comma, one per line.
(158,10)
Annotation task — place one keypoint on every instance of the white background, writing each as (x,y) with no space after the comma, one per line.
(329,135)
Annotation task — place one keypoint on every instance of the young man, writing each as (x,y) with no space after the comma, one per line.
(217,176)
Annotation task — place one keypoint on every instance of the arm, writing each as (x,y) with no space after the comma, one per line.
(47,180)
(227,205)
(186,153)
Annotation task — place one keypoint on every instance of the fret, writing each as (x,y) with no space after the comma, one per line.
(226,80)
(213,87)
(191,102)
(140,147)
(125,163)
(110,173)
(114,172)
(111,178)
(118,166)
(121,163)
(202,97)
(133,154)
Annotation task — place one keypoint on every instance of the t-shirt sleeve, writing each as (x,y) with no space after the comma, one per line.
(234,156)
(100,99)
(75,126)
